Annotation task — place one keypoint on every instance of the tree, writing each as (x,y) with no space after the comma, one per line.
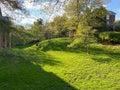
(20,35)
(50,31)
(5,30)
(79,8)
(5,21)
(89,15)
(12,5)
(58,27)
(37,30)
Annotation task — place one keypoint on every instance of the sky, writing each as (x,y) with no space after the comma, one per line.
(36,11)
(114,6)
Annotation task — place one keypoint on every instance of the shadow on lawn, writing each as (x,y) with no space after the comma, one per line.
(102,59)
(39,57)
(17,72)
(97,52)
(102,55)
(29,56)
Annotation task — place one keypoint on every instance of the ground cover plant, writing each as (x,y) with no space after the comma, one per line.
(52,65)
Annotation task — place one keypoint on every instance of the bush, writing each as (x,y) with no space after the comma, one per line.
(54,44)
(117,26)
(110,37)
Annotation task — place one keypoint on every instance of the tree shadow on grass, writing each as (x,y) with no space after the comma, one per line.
(29,56)
(96,52)
(39,57)
(17,72)
(99,54)
(104,55)
(102,59)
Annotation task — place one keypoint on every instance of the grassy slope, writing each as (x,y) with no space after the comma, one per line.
(57,67)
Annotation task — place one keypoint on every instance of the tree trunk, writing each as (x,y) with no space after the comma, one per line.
(5,40)
(9,40)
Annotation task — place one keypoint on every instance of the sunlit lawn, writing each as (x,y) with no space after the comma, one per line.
(60,68)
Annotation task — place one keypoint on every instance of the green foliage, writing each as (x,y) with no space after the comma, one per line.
(6,27)
(108,28)
(84,71)
(54,44)
(37,30)
(117,26)
(20,36)
(84,35)
(28,68)
(19,70)
(6,52)
(57,28)
(94,14)
(113,37)
(86,19)
(97,18)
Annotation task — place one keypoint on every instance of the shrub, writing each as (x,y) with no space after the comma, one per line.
(54,44)
(117,26)
(111,37)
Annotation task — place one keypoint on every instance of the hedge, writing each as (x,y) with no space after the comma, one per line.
(112,37)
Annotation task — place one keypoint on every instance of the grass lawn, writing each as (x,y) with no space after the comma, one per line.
(53,66)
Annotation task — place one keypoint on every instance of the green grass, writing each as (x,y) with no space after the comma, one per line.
(54,66)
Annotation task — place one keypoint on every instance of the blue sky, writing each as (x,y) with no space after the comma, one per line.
(114,6)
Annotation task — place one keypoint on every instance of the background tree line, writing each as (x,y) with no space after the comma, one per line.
(81,20)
